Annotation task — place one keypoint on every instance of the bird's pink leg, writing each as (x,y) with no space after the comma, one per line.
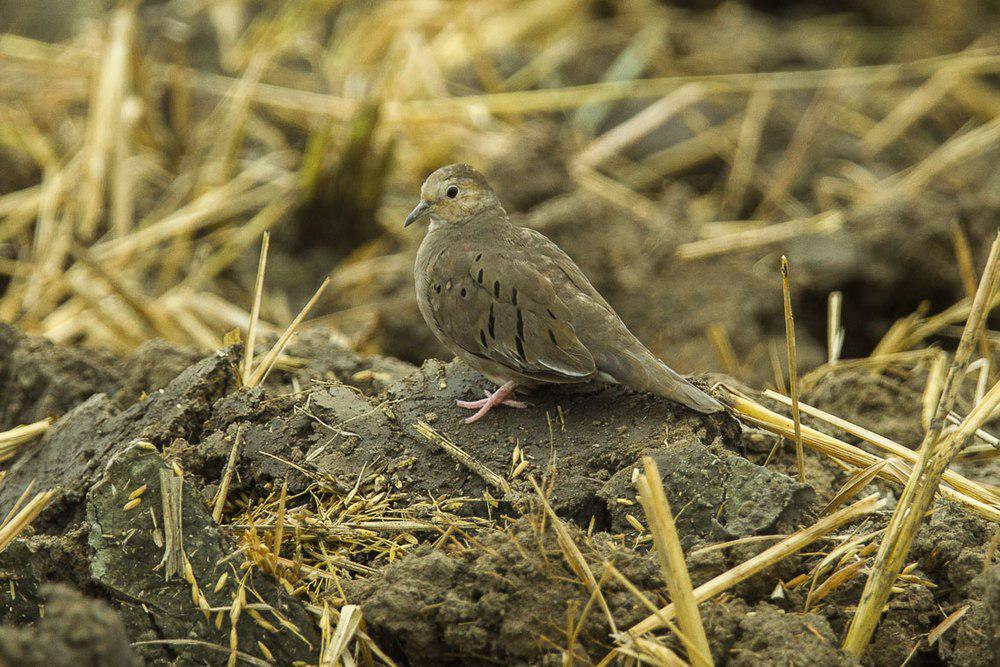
(484,405)
(475,405)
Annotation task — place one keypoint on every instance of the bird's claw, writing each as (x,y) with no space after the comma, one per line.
(484,405)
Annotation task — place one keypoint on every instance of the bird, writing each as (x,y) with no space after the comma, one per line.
(512,305)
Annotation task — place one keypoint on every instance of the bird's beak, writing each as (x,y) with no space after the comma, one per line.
(417,213)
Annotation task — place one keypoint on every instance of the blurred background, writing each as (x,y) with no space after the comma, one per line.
(674,150)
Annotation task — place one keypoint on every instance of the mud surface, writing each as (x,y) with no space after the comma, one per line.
(503,597)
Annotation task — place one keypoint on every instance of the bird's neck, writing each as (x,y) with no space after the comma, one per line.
(479,221)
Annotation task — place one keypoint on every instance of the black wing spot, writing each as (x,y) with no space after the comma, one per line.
(551,314)
(437,288)
(552,337)
(513,295)
(464,292)
(496,289)
(479,256)
(480,278)
(492,323)
(482,338)
(520,324)
(520,348)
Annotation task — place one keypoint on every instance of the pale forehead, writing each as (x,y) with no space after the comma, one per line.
(456,173)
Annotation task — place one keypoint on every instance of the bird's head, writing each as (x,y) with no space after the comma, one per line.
(453,195)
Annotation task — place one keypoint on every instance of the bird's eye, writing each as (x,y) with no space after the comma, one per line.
(452,191)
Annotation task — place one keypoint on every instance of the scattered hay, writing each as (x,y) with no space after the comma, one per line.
(149,181)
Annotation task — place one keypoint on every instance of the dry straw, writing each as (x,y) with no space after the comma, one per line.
(935,454)
(880,441)
(171,493)
(227,476)
(960,489)
(636,646)
(461,456)
(793,369)
(260,373)
(167,203)
(246,370)
(671,558)
(165,185)
(347,627)
(17,521)
(774,554)
(835,332)
(573,556)
(234,654)
(12,441)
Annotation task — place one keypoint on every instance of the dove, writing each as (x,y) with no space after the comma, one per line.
(511,304)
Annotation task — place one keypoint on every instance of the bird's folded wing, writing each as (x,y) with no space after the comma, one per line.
(499,307)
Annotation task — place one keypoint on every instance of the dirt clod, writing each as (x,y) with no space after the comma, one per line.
(74,631)
(70,456)
(717,498)
(504,602)
(40,379)
(128,561)
(769,636)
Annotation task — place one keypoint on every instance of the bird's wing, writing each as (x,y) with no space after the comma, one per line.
(616,352)
(501,306)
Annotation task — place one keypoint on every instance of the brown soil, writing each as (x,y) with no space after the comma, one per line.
(505,598)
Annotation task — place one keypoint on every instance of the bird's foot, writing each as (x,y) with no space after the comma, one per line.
(475,405)
(484,405)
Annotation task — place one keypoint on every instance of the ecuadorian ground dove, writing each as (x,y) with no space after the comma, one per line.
(512,305)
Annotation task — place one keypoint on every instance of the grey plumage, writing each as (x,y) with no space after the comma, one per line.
(513,305)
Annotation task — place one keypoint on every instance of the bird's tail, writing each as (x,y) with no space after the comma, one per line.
(670,384)
(640,369)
